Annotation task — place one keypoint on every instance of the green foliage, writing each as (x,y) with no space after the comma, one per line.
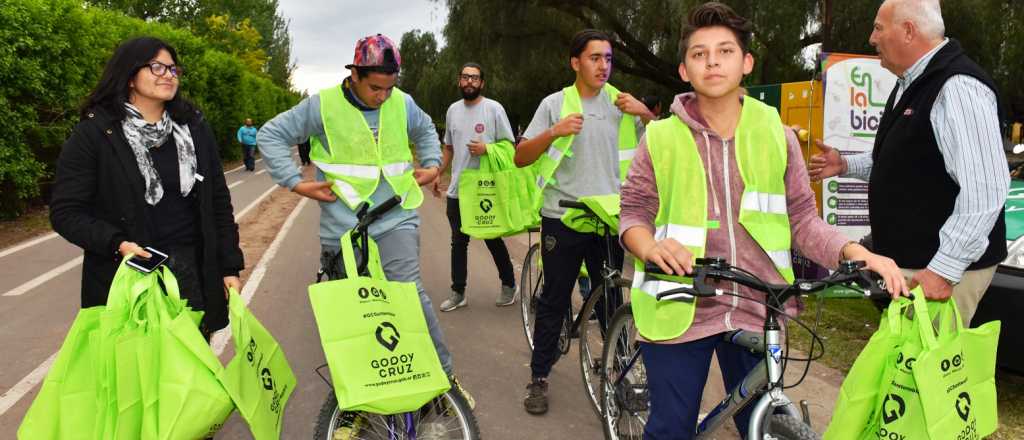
(259,16)
(52,53)
(523,44)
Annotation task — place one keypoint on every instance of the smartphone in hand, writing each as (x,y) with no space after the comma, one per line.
(147,265)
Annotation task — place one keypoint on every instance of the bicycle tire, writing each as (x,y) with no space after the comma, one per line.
(624,410)
(531,282)
(787,427)
(461,426)
(591,343)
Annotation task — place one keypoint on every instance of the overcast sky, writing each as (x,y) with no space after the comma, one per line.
(324,33)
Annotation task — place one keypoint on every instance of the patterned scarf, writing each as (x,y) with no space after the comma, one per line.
(143,136)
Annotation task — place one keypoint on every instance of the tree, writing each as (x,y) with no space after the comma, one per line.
(419,54)
(524,49)
(259,15)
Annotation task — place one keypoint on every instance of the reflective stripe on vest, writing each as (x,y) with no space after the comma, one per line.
(560,148)
(356,161)
(761,155)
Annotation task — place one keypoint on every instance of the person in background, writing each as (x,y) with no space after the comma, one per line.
(472,124)
(247,138)
(943,222)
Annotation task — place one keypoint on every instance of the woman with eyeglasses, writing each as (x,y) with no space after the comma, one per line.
(142,169)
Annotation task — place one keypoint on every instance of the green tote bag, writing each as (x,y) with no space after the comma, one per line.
(376,340)
(259,378)
(496,200)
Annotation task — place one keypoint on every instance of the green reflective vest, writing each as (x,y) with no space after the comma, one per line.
(356,159)
(548,162)
(761,154)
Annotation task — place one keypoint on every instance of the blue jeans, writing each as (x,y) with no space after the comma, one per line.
(676,374)
(400,258)
(249,156)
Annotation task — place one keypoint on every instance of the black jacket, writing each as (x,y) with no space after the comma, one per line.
(910,194)
(98,202)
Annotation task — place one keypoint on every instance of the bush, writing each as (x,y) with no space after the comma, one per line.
(52,53)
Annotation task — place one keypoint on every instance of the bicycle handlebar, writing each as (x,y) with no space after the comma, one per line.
(366,218)
(850,272)
(575,204)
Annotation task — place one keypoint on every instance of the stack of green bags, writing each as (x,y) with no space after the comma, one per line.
(139,367)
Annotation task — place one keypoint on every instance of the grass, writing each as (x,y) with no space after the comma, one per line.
(30,224)
(846,326)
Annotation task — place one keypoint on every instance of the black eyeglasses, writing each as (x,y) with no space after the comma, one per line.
(469,78)
(160,69)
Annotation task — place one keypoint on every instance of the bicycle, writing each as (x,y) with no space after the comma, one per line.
(580,325)
(623,378)
(447,416)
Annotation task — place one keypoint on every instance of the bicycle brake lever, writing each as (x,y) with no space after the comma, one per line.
(700,283)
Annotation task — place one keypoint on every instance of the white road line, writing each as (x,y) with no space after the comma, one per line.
(256,202)
(26,244)
(43,238)
(39,280)
(222,337)
(20,389)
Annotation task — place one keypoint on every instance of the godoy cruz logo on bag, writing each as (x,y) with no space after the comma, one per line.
(392,341)
(963,405)
(963,409)
(485,205)
(395,365)
(892,412)
(892,409)
(266,377)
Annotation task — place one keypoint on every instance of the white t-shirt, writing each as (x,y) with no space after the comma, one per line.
(485,121)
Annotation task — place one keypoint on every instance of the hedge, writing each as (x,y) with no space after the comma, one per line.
(52,53)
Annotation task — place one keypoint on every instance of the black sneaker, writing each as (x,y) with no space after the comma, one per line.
(536,401)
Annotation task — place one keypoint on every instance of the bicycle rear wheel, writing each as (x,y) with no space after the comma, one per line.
(447,417)
(591,332)
(624,398)
(531,282)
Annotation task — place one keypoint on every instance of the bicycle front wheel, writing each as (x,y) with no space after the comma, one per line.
(447,417)
(787,427)
(531,282)
(624,399)
(595,317)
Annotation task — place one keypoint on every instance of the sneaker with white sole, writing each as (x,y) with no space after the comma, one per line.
(349,425)
(456,300)
(457,387)
(507,296)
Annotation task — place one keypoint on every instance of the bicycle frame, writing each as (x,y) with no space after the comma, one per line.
(764,381)
(608,276)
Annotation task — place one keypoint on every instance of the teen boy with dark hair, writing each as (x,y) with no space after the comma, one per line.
(720,177)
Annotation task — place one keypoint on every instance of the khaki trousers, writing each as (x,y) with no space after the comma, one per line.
(968,293)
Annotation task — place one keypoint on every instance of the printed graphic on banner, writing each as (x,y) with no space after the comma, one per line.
(856,89)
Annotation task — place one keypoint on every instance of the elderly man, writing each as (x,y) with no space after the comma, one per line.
(937,172)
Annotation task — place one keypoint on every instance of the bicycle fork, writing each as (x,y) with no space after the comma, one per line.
(765,380)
